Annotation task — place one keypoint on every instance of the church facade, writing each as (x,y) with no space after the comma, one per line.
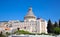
(31,23)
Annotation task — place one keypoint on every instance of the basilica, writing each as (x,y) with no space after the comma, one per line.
(31,23)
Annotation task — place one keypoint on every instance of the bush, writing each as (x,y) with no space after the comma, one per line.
(1,35)
(57,30)
(22,32)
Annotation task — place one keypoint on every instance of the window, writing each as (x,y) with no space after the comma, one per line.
(37,23)
(10,25)
(31,21)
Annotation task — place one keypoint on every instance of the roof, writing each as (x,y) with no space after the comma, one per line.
(30,13)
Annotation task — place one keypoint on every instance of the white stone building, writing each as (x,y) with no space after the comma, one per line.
(30,23)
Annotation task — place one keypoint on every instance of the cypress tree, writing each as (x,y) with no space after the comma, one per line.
(49,26)
(55,24)
(59,23)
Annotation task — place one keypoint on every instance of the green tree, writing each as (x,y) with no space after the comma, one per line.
(18,29)
(49,26)
(1,35)
(56,30)
(7,34)
(21,32)
(59,23)
(55,24)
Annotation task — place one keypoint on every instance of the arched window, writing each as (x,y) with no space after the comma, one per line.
(10,25)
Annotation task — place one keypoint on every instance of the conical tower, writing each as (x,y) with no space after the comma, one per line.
(30,16)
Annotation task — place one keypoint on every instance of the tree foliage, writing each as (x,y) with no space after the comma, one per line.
(57,30)
(49,26)
(18,29)
(55,24)
(1,35)
(53,28)
(7,33)
(59,23)
(21,32)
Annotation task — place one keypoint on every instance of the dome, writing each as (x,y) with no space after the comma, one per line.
(30,14)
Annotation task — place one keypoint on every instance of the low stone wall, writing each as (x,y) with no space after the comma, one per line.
(33,36)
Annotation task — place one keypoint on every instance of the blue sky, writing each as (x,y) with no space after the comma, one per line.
(17,9)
